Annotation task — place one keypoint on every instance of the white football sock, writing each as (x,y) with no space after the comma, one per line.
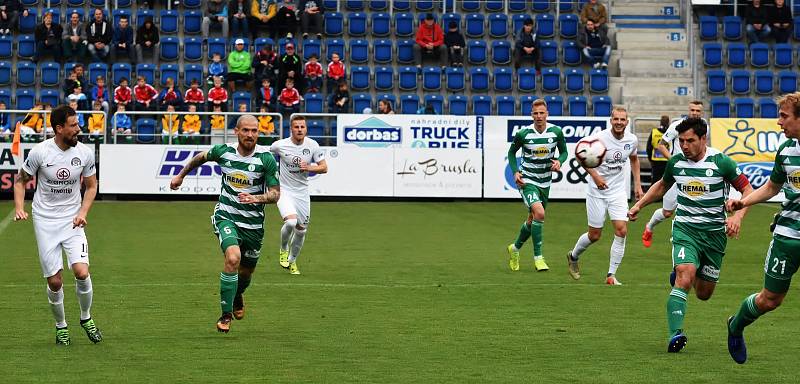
(658,216)
(83,288)
(56,300)
(581,245)
(286,233)
(617,253)
(297,244)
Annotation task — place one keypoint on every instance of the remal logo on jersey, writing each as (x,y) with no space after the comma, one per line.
(794,179)
(175,158)
(373,132)
(694,188)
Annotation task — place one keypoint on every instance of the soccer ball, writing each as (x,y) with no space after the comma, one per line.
(590,153)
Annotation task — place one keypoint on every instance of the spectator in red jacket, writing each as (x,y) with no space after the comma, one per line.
(123,94)
(289,99)
(430,39)
(336,72)
(218,96)
(313,71)
(145,95)
(194,96)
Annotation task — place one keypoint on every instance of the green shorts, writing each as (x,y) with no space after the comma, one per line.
(248,240)
(532,194)
(703,249)
(783,259)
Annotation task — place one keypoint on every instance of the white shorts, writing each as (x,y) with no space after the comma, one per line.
(670,199)
(295,204)
(53,236)
(596,208)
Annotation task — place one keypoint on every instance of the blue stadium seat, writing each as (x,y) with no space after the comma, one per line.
(517,21)
(361,101)
(384,78)
(517,5)
(407,78)
(764,82)
(568,25)
(311,47)
(744,107)
(354,5)
(192,49)
(378,5)
(784,55)
(457,105)
(192,22)
(242,97)
(81,14)
(732,28)
(97,3)
(357,24)
(574,80)
(767,108)
(145,130)
(26,46)
(526,104)
(501,52)
(334,23)
(448,17)
(263,41)
(388,96)
(191,72)
(526,80)
(50,96)
(737,54)
(170,48)
(26,73)
(282,46)
(479,79)
(716,81)
(571,53)
(5,96)
(148,71)
(470,5)
(27,23)
(566,6)
(740,82)
(796,28)
(545,25)
(381,24)
(424,5)
(25,97)
(498,25)
(120,70)
(708,27)
(602,105)
(51,74)
(475,25)
(359,51)
(55,12)
(481,105)
(548,52)
(335,45)
(382,51)
(455,79)
(494,5)
(598,80)
(169,71)
(712,55)
(476,51)
(759,55)
(401,5)
(555,105)
(506,106)
(5,74)
(314,102)
(316,128)
(6,46)
(787,82)
(404,24)
(169,21)
(119,13)
(577,106)
(542,5)
(409,104)
(503,79)
(94,70)
(432,78)
(331,5)
(76,3)
(551,80)
(435,101)
(405,51)
(142,15)
(359,78)
(124,3)
(192,3)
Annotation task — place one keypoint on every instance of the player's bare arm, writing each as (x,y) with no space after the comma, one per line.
(195,162)
(599,181)
(556,165)
(734,223)
(321,167)
(662,147)
(270,197)
(766,192)
(88,198)
(637,179)
(20,180)
(655,192)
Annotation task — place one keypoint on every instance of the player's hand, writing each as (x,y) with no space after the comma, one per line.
(246,198)
(304,166)
(176,182)
(633,212)
(638,193)
(556,166)
(732,226)
(518,179)
(600,182)
(733,205)
(79,221)
(20,214)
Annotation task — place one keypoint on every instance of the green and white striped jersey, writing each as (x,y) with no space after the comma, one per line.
(253,174)
(702,189)
(538,151)
(787,172)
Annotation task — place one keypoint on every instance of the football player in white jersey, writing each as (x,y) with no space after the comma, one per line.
(298,155)
(608,193)
(59,215)
(668,146)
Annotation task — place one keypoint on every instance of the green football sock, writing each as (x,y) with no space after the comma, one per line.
(536,233)
(244,282)
(676,310)
(227,289)
(524,234)
(748,313)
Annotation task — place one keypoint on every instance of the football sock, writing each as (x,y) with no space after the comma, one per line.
(658,216)
(524,235)
(83,288)
(286,233)
(580,246)
(536,233)
(676,310)
(297,243)
(748,313)
(228,282)
(617,253)
(56,300)
(242,285)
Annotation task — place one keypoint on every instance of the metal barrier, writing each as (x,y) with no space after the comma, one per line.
(14,116)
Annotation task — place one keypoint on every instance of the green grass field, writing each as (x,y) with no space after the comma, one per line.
(390,293)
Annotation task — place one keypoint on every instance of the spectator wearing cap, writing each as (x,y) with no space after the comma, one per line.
(74,39)
(429,40)
(290,66)
(455,43)
(596,12)
(48,38)
(240,66)
(216,13)
(525,46)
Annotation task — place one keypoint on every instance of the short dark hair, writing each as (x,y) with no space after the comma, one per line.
(123,17)
(528,21)
(429,16)
(696,124)
(452,25)
(59,115)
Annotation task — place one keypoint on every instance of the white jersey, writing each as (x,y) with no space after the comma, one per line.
(671,137)
(58,178)
(290,154)
(612,169)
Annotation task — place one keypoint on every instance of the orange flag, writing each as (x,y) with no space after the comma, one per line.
(15,142)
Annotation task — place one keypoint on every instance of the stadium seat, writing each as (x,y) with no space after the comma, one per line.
(455,79)
(432,78)
(27,23)
(56,12)
(120,70)
(409,104)
(384,78)
(334,23)
(145,130)
(142,15)
(744,107)
(574,80)
(732,28)
(97,3)
(192,3)
(99,69)
(361,101)
(330,5)
(548,52)
(555,105)
(526,104)
(577,106)
(405,51)
(542,5)
(481,105)
(359,78)
(81,14)
(381,24)
(192,22)
(737,54)
(475,25)
(242,97)
(263,41)
(354,5)
(784,55)
(192,72)
(517,21)
(526,80)
(598,80)
(457,105)
(170,47)
(498,25)
(494,5)
(476,52)
(382,51)
(720,107)
(359,51)
(517,5)
(759,55)
(787,82)
(6,46)
(767,108)
(501,52)
(357,24)
(479,79)
(568,25)
(119,13)
(712,55)
(26,73)
(5,96)
(708,27)
(169,71)
(796,28)
(424,5)
(26,46)
(435,101)
(284,40)
(401,5)
(407,78)
(51,74)
(551,80)
(168,21)
(49,96)
(149,72)
(311,47)
(716,81)
(601,105)
(316,129)
(26,98)
(545,25)
(314,102)
(123,3)
(740,82)
(5,74)
(764,82)
(75,3)
(334,45)
(192,49)
(378,5)
(471,5)
(506,106)
(448,17)
(404,24)
(566,6)
(571,53)
(503,79)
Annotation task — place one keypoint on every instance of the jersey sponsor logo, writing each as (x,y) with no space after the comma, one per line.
(541,152)
(573,130)
(794,178)
(694,188)
(174,159)
(76,162)
(373,132)
(756,173)
(238,180)
(62,174)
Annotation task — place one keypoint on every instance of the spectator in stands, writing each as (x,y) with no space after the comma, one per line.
(99,34)
(216,13)
(99,92)
(170,96)
(265,125)
(9,15)
(218,96)
(123,95)
(191,125)
(385,107)
(5,126)
(780,20)
(78,96)
(170,125)
(81,116)
(239,11)
(123,123)
(756,23)
(314,73)
(454,40)
(70,83)
(290,66)
(240,66)
(657,161)
(97,123)
(79,70)
(264,64)
(427,109)
(218,121)
(145,95)
(194,96)
(242,109)
(597,13)
(147,39)
(74,39)
(339,101)
(123,41)
(48,38)
(216,69)
(311,18)
(595,45)
(32,123)
(336,72)
(261,12)
(285,21)
(265,97)
(48,128)
(289,99)
(527,46)
(429,40)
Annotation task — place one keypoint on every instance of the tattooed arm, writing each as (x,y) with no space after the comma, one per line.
(195,162)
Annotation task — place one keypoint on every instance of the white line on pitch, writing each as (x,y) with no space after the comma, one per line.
(6,221)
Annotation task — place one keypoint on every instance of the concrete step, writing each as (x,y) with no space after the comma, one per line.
(644,8)
(663,46)
(652,36)
(650,54)
(631,66)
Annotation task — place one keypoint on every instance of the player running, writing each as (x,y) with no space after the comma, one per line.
(539,142)
(249,180)
(608,192)
(59,215)
(298,155)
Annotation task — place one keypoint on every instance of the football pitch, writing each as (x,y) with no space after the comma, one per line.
(390,292)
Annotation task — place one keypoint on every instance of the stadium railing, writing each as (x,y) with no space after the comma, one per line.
(223,135)
(17,115)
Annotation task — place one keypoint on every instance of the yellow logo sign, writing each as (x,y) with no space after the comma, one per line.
(238,180)
(746,140)
(794,178)
(541,152)
(695,188)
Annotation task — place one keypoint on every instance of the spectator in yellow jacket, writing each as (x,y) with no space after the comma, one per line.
(217,121)
(170,124)
(97,122)
(191,124)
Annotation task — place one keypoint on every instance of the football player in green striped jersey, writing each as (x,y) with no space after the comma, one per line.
(249,180)
(783,254)
(699,230)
